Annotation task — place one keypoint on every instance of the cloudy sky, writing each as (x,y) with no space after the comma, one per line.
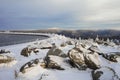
(63,14)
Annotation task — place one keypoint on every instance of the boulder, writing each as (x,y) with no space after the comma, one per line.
(63,45)
(56,51)
(77,58)
(30,64)
(27,51)
(45,45)
(112,56)
(83,58)
(105,73)
(52,63)
(92,60)
(94,49)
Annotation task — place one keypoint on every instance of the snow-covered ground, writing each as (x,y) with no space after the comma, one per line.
(11,71)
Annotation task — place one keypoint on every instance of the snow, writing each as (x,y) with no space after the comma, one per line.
(8,71)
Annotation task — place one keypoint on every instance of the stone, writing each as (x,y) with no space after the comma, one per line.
(104,73)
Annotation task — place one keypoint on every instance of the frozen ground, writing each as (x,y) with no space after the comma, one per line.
(11,71)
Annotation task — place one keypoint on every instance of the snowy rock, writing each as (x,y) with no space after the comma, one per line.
(63,45)
(92,60)
(70,42)
(56,51)
(45,45)
(2,51)
(29,64)
(112,56)
(105,73)
(82,58)
(94,49)
(52,62)
(77,57)
(27,51)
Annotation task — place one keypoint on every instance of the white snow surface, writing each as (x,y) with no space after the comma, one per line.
(8,71)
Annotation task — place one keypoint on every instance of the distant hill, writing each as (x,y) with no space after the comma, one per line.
(112,34)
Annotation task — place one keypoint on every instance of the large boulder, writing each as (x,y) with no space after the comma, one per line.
(53,62)
(83,58)
(105,73)
(92,60)
(56,52)
(77,58)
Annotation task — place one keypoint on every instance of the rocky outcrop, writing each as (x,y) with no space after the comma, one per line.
(56,52)
(105,73)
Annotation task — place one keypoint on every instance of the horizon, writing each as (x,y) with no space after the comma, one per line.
(64,14)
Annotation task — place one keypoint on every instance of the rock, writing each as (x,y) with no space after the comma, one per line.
(2,51)
(105,73)
(29,64)
(51,63)
(70,42)
(111,56)
(45,45)
(83,58)
(92,60)
(26,52)
(6,59)
(63,45)
(56,51)
(77,58)
(94,49)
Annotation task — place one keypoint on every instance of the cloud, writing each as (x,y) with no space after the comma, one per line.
(80,14)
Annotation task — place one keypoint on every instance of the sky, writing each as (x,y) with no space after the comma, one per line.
(60,14)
